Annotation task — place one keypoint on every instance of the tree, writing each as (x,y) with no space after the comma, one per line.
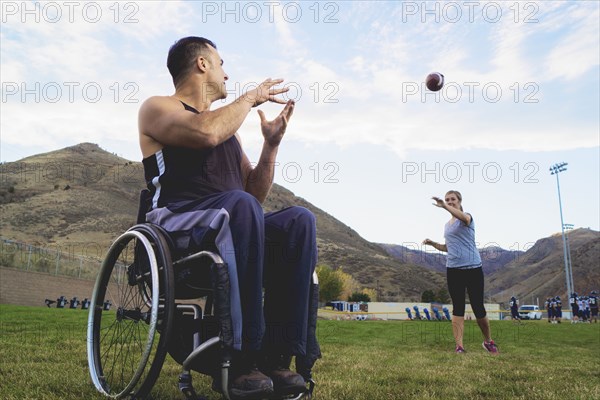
(428,296)
(442,296)
(359,297)
(349,284)
(330,284)
(372,293)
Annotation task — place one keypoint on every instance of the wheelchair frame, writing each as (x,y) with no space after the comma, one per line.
(127,345)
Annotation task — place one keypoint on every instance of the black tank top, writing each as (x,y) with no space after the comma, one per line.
(175,174)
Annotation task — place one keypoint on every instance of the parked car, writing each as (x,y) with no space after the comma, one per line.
(530,311)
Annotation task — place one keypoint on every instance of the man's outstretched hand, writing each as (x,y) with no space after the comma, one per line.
(274,130)
(266,92)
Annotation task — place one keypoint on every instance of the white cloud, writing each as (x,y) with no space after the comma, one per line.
(154,19)
(286,39)
(60,123)
(366,100)
(579,51)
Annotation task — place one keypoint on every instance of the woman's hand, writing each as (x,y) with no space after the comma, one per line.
(438,202)
(435,245)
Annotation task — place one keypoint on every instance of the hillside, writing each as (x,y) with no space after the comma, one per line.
(82,194)
(493,258)
(540,271)
(75,195)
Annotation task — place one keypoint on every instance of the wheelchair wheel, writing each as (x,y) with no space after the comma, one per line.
(131,314)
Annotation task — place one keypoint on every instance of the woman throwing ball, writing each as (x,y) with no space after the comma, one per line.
(463,268)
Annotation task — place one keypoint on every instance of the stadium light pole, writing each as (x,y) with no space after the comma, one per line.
(569,227)
(555,170)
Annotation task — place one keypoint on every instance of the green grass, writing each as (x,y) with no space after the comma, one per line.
(43,356)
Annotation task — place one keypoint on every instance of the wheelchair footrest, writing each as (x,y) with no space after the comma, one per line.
(304,395)
(186,387)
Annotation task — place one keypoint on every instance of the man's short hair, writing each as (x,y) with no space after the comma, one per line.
(183,55)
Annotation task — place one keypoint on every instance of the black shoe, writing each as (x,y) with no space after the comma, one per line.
(251,385)
(285,381)
(245,383)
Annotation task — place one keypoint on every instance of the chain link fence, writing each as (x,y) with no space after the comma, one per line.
(64,261)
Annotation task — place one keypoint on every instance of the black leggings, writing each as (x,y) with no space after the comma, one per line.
(471,280)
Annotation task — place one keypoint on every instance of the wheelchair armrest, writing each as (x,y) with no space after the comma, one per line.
(215,257)
(144,205)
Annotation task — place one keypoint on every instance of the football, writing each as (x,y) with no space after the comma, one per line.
(434,81)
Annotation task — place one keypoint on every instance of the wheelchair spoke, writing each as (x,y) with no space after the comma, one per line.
(117,350)
(112,368)
(123,351)
(116,326)
(125,348)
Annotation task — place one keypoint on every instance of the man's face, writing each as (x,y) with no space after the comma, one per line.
(216,76)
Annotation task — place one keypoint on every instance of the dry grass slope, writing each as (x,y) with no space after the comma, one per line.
(82,194)
(540,272)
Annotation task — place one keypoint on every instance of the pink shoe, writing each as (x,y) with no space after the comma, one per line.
(491,347)
(460,349)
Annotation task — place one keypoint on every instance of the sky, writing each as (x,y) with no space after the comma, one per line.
(367,143)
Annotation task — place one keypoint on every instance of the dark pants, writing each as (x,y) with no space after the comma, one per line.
(470,280)
(276,250)
(514,312)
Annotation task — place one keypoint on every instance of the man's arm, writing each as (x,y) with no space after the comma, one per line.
(258,180)
(163,122)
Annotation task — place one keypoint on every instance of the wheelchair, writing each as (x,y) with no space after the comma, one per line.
(163,301)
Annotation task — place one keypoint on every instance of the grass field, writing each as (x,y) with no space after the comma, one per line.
(43,356)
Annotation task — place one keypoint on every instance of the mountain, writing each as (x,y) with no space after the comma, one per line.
(493,258)
(82,197)
(537,273)
(72,196)
(433,261)
(540,271)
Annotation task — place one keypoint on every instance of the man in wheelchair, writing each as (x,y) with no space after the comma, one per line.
(204,191)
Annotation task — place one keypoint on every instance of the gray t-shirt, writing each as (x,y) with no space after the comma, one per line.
(460,241)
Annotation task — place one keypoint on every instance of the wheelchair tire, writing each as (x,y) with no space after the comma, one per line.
(131,314)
